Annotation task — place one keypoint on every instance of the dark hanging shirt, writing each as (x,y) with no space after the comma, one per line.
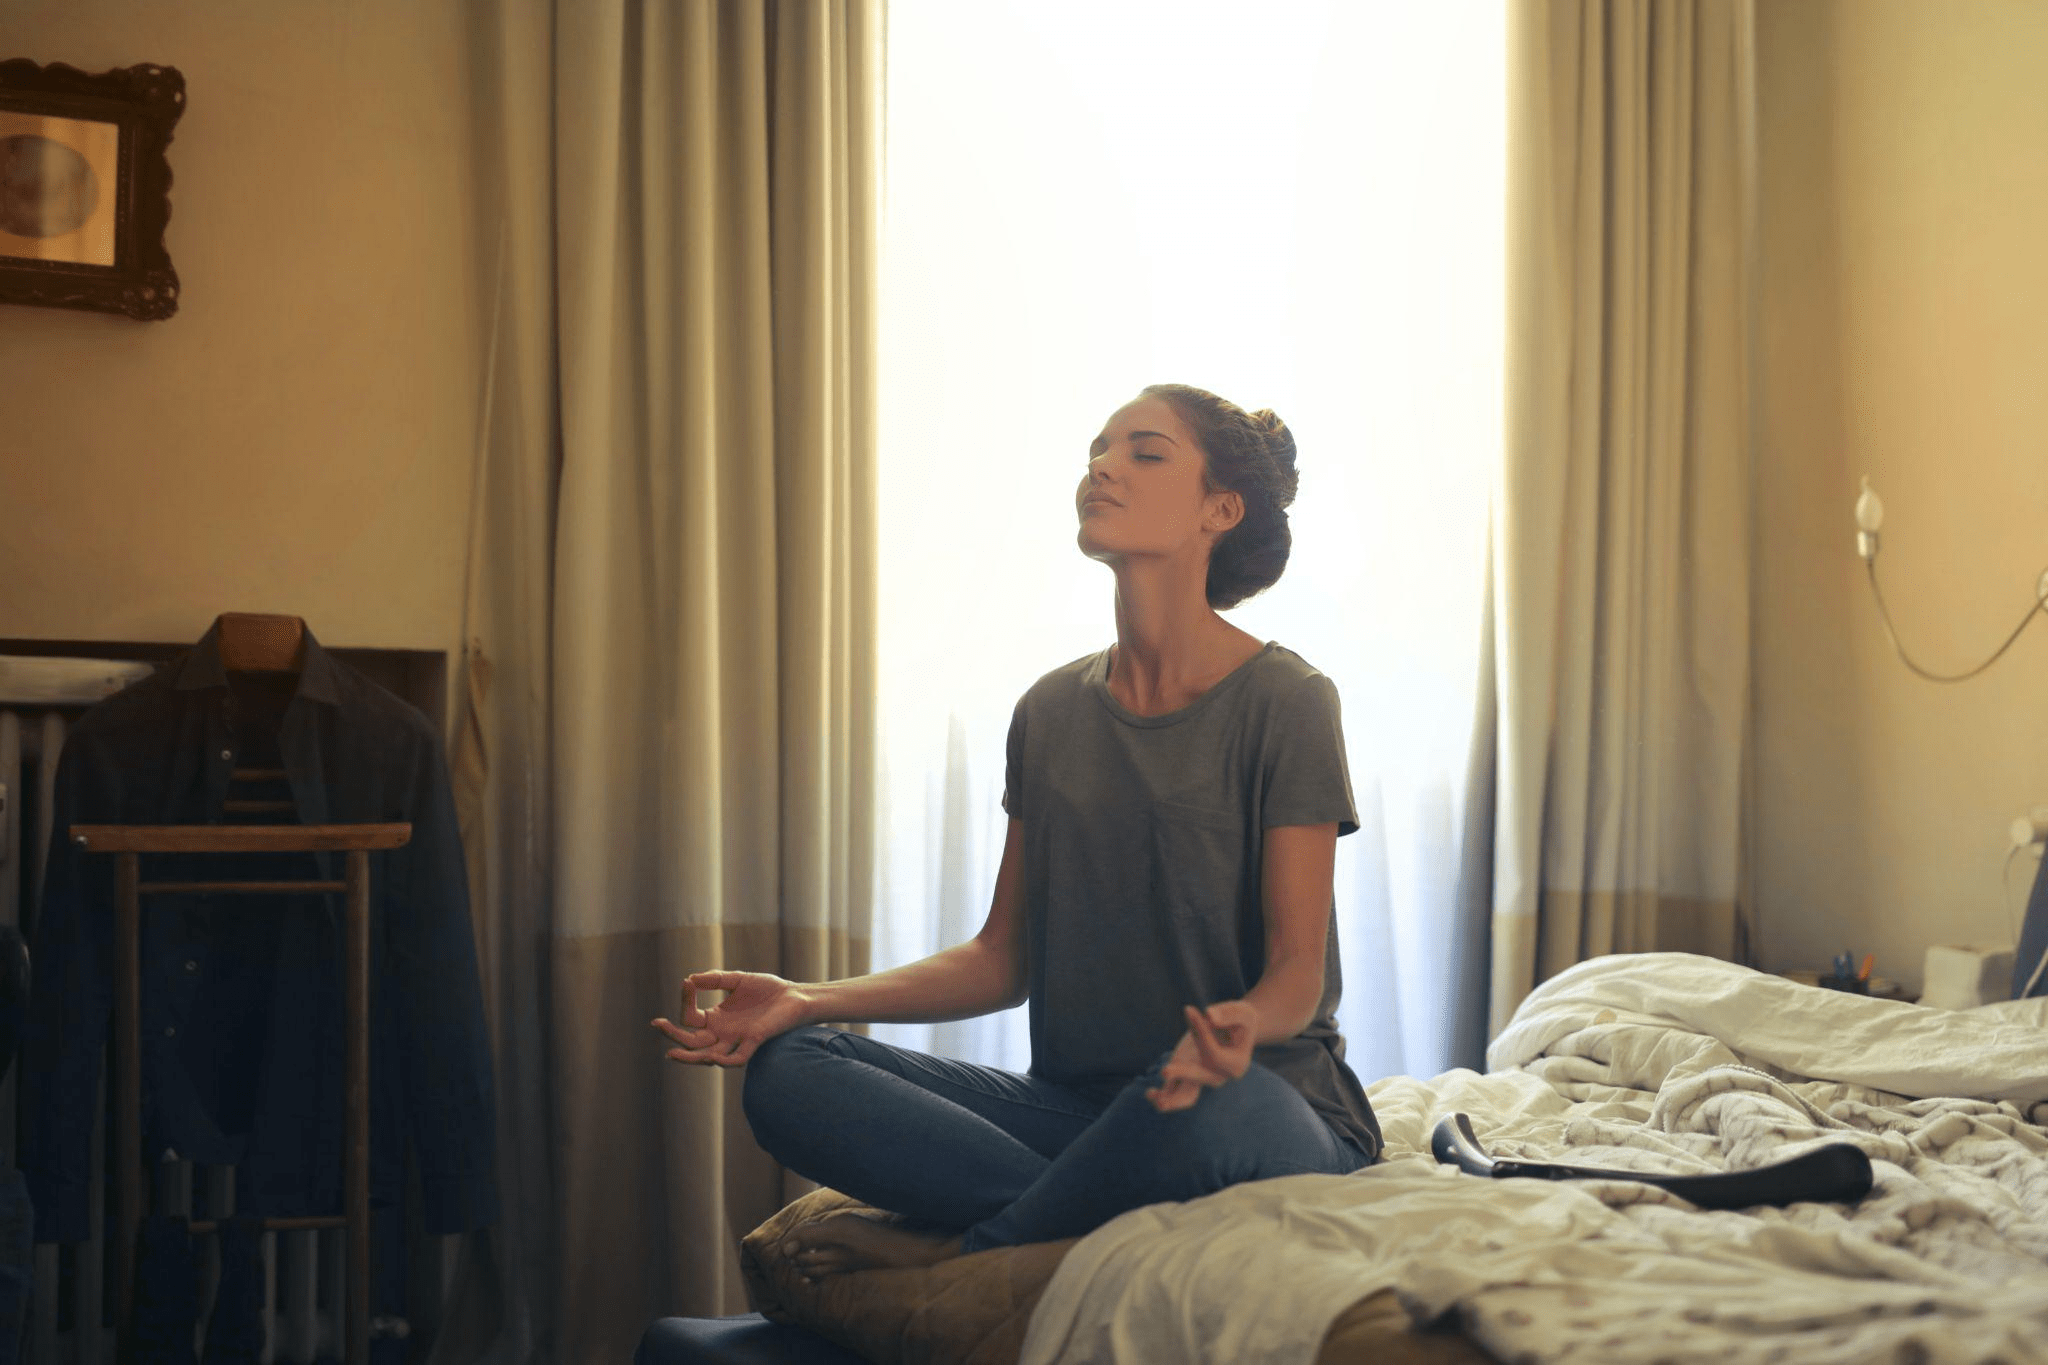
(242,1036)
(1142,844)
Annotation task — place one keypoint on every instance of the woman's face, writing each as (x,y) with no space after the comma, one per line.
(1143,491)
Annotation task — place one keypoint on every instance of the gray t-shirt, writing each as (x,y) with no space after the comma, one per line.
(1142,845)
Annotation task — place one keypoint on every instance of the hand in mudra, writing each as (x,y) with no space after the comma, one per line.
(756,1007)
(1214,1051)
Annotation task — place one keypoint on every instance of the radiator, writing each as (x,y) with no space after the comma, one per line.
(304,1271)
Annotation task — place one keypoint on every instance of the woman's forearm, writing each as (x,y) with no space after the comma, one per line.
(975,977)
(1286,997)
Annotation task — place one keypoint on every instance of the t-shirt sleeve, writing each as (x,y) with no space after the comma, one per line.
(1307,779)
(1013,765)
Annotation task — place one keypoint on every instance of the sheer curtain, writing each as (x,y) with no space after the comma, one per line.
(1298,207)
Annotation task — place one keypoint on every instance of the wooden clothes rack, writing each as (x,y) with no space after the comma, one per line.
(127,843)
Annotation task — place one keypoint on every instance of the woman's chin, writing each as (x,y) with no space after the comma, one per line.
(1091,544)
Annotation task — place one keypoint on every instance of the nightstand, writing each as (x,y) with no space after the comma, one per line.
(1881,987)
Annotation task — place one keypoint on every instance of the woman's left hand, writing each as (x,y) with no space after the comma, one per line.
(1214,1051)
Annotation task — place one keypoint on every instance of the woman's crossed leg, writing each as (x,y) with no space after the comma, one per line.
(985,1157)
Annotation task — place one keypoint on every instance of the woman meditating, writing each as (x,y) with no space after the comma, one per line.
(1163,903)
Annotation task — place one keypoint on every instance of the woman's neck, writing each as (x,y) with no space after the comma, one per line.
(1171,646)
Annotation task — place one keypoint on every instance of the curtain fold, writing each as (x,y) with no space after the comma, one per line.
(667,710)
(1620,574)
(499,1308)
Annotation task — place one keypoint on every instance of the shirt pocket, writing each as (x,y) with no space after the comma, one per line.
(1198,864)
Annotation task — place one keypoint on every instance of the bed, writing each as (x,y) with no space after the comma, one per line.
(1660,1062)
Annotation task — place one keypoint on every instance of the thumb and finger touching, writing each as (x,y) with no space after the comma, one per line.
(1214,1051)
(730,1032)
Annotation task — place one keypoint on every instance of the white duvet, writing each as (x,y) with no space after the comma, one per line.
(1658,1062)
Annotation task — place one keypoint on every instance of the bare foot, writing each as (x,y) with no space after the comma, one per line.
(847,1242)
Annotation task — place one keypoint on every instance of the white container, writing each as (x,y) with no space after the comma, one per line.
(1958,976)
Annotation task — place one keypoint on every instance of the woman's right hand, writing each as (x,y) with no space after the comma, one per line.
(756,1007)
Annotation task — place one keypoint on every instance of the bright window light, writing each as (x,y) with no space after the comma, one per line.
(1296,205)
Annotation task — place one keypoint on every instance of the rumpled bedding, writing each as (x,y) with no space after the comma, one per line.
(1661,1062)
(974,1310)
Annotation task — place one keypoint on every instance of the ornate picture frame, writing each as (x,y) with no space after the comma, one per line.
(85,187)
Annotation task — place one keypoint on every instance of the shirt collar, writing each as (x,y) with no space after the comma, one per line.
(203,668)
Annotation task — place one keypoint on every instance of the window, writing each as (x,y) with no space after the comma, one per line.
(1298,206)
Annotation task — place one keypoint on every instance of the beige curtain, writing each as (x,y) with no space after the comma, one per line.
(666,744)
(1620,563)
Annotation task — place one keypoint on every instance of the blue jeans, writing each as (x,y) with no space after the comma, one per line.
(1008,1159)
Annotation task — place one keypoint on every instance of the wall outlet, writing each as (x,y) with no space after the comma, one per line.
(2031,831)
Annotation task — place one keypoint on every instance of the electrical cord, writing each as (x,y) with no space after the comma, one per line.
(1867,544)
(2035,979)
(2040,605)
(2005,890)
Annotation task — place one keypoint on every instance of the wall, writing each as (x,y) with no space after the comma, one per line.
(299,437)
(1903,335)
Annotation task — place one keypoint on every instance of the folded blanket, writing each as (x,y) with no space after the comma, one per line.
(970,1310)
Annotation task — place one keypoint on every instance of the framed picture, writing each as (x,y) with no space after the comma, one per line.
(85,190)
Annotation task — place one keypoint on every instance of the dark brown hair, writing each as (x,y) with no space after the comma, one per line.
(1250,454)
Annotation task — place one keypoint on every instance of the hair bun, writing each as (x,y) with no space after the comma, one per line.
(1280,446)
